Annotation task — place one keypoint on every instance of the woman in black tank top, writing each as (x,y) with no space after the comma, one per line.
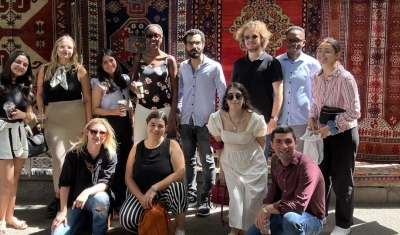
(63,86)
(155,170)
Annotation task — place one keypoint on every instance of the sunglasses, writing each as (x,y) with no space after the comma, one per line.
(252,37)
(151,36)
(291,41)
(237,95)
(102,134)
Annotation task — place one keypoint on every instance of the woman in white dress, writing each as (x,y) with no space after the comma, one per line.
(243,165)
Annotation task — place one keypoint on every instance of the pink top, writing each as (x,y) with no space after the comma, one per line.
(339,91)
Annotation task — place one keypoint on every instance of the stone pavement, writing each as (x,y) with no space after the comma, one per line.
(34,195)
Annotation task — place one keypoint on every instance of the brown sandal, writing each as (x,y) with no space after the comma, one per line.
(17,224)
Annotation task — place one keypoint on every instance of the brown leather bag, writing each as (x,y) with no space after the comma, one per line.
(155,221)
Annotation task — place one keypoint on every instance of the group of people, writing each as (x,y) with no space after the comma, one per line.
(113,158)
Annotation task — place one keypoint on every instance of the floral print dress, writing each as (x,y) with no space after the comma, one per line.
(156,85)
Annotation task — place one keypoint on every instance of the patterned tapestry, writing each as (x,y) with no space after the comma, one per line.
(127,19)
(278,15)
(32,26)
(369,33)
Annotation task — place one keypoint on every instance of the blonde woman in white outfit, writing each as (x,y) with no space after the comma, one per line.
(243,165)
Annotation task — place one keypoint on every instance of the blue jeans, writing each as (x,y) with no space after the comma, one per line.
(192,136)
(98,204)
(291,223)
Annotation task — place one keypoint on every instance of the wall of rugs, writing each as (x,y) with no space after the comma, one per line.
(367,29)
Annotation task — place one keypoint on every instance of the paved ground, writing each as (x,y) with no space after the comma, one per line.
(370,219)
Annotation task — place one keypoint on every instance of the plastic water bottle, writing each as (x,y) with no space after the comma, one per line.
(266,230)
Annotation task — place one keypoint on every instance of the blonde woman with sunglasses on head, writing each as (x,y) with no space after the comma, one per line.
(239,132)
(86,180)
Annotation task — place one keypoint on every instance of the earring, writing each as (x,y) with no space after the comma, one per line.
(226,105)
(244,105)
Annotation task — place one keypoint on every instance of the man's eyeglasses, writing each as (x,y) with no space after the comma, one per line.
(238,96)
(292,41)
(326,52)
(102,134)
(191,43)
(151,36)
(248,37)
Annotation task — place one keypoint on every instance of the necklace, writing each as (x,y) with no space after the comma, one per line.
(237,123)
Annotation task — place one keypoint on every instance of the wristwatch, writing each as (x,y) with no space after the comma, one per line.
(264,208)
(275,118)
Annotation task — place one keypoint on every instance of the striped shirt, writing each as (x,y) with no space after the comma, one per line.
(339,90)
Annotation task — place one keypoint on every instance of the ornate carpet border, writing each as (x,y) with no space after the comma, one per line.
(93,32)
(208,18)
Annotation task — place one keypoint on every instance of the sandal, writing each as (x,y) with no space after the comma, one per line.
(17,224)
(3,229)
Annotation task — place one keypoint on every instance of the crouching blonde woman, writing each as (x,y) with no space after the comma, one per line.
(86,180)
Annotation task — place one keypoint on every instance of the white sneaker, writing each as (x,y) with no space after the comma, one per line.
(340,231)
(179,232)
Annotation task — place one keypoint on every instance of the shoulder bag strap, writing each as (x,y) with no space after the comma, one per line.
(89,166)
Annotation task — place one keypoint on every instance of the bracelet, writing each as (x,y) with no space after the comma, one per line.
(152,187)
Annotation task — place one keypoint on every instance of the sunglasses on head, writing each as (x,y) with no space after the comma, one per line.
(252,37)
(151,36)
(237,95)
(101,133)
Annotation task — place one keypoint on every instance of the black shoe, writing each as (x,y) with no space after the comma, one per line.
(192,201)
(205,206)
(53,208)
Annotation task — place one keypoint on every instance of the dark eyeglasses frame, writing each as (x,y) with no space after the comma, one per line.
(238,96)
(196,43)
(154,35)
(95,132)
(252,37)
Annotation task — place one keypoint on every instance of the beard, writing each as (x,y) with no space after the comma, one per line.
(194,55)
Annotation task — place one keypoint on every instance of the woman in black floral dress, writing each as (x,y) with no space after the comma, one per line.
(157,71)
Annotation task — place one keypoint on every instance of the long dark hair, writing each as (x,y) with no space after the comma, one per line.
(23,82)
(104,77)
(246,105)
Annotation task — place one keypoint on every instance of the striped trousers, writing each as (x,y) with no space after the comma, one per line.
(174,197)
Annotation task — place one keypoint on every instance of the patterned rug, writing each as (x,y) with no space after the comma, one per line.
(32,26)
(381,173)
(127,19)
(369,32)
(278,16)
(40,165)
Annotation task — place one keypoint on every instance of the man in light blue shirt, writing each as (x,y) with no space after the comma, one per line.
(199,78)
(298,70)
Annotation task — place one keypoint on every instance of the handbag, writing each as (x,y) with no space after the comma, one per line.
(329,113)
(36,143)
(155,221)
(220,195)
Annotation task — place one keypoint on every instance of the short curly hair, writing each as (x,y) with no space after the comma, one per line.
(257,26)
